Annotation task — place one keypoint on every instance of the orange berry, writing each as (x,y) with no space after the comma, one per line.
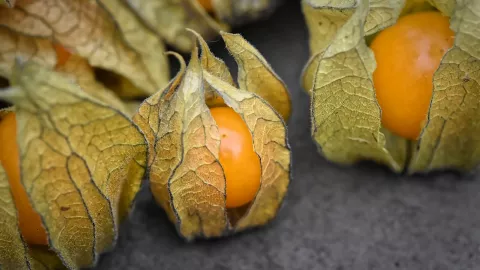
(237,157)
(62,54)
(206,4)
(408,54)
(29,220)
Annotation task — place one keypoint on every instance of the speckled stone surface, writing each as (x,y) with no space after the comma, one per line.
(334,217)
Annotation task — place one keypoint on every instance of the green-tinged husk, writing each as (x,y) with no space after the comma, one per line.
(81,162)
(345,113)
(186,177)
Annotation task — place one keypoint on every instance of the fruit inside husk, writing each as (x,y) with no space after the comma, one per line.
(62,55)
(112,37)
(239,161)
(410,101)
(78,162)
(219,158)
(407,55)
(29,221)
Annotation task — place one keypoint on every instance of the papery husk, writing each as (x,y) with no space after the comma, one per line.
(82,162)
(170,18)
(345,113)
(450,138)
(186,177)
(106,33)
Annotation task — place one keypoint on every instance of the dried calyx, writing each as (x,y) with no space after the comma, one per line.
(346,115)
(101,45)
(81,163)
(81,160)
(188,176)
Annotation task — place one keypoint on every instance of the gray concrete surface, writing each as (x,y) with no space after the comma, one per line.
(361,217)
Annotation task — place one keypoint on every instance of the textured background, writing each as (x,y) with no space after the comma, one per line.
(334,217)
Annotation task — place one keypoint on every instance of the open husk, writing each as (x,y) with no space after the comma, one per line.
(185,175)
(345,113)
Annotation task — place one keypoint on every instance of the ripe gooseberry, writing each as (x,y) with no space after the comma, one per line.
(29,221)
(240,163)
(407,54)
(62,55)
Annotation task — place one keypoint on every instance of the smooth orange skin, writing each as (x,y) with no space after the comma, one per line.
(30,222)
(206,4)
(240,163)
(408,54)
(62,55)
